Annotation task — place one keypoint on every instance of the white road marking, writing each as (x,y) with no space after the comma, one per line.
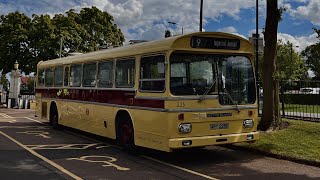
(36,121)
(65,146)
(152,159)
(42,157)
(5,115)
(181,168)
(108,161)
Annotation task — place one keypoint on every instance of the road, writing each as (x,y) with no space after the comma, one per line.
(30,149)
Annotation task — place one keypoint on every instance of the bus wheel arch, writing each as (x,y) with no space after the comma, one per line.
(54,115)
(124,129)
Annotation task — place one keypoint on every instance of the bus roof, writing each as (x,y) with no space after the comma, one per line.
(141,48)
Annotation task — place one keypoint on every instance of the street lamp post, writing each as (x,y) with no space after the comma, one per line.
(291,51)
(257,38)
(174,23)
(257,51)
(201,13)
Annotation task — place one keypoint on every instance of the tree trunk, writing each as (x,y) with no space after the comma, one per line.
(269,66)
(277,116)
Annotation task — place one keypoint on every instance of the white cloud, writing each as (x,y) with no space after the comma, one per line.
(232,30)
(147,19)
(309,11)
(140,17)
(229,29)
(301,41)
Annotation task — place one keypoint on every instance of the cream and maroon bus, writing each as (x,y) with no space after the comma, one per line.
(185,91)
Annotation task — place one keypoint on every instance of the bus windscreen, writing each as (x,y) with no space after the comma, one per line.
(223,75)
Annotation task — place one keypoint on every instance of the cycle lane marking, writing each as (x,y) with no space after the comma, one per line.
(57,166)
(146,157)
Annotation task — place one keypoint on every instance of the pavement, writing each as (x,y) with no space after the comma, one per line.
(31,149)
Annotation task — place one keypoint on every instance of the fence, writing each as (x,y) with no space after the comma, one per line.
(299,100)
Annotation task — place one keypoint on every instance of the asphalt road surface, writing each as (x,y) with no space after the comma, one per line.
(30,149)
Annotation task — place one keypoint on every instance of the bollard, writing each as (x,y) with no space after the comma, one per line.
(26,104)
(20,104)
(9,103)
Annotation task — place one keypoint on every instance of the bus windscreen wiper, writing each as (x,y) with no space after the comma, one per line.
(206,92)
(229,96)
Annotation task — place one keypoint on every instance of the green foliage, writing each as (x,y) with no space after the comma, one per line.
(167,33)
(14,40)
(30,40)
(290,64)
(30,85)
(4,82)
(312,56)
(298,141)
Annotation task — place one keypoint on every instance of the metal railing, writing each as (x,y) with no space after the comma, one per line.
(299,100)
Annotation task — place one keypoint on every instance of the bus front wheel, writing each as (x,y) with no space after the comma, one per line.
(126,134)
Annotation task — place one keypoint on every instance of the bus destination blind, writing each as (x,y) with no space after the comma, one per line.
(215,43)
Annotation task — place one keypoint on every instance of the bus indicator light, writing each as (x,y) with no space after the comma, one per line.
(181,117)
(250,113)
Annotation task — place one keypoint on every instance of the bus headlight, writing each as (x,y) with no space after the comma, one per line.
(185,128)
(248,123)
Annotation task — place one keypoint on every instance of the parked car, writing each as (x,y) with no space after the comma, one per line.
(309,90)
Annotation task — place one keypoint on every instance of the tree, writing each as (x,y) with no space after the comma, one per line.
(42,39)
(30,40)
(4,82)
(312,56)
(167,33)
(270,111)
(14,41)
(289,63)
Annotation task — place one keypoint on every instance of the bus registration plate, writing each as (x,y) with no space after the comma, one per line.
(219,126)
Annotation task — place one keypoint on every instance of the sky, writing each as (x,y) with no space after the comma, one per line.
(148,19)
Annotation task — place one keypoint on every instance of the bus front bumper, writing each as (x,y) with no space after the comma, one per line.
(212,140)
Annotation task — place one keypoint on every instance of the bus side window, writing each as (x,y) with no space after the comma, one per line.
(89,75)
(66,77)
(49,77)
(125,70)
(152,73)
(75,75)
(105,74)
(41,75)
(58,76)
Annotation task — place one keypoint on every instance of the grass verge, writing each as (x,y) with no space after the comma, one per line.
(298,142)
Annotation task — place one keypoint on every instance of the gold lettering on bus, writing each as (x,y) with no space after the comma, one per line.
(106,160)
(65,92)
(59,92)
(42,134)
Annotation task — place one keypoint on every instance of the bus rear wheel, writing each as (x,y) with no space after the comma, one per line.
(54,117)
(126,134)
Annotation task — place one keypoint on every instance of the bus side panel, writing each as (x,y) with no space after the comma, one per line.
(92,118)
(151,129)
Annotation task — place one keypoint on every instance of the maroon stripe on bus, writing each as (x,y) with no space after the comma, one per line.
(117,97)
